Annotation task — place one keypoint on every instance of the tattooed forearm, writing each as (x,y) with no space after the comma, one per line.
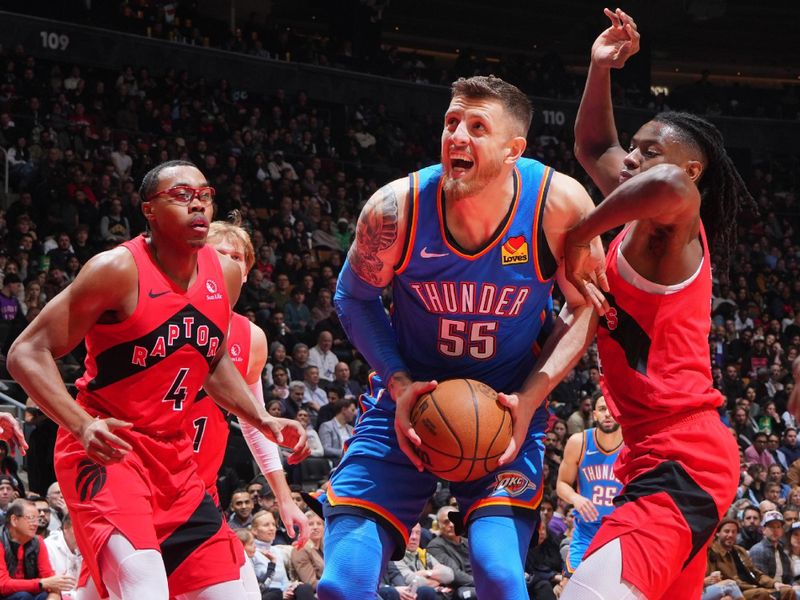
(377,231)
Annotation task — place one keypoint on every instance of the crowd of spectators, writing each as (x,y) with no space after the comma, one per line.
(79,141)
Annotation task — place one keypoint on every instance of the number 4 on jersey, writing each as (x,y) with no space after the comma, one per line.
(177,392)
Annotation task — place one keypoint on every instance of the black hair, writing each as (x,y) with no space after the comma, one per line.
(596,395)
(722,190)
(150,180)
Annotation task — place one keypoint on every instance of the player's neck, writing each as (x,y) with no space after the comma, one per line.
(608,441)
(178,264)
(473,220)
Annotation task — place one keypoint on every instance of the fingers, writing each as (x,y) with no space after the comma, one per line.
(408,449)
(304,533)
(113,423)
(510,401)
(112,441)
(509,455)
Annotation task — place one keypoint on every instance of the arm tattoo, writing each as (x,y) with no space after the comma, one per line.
(377,231)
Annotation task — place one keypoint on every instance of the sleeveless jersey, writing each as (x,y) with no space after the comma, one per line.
(654,347)
(474,314)
(205,421)
(596,481)
(147,368)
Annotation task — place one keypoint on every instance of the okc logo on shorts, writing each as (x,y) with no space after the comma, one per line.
(513,483)
(211,288)
(236,350)
(514,251)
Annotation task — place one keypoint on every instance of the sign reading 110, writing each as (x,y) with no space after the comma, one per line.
(54,41)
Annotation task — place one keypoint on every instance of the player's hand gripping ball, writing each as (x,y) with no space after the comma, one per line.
(463,428)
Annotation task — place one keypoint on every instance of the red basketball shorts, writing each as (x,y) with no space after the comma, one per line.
(679,479)
(154,498)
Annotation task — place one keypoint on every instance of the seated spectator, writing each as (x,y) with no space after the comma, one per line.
(264,529)
(582,418)
(294,401)
(335,432)
(296,313)
(744,429)
(326,413)
(314,397)
(277,358)
(43,508)
(62,548)
(768,555)
(733,563)
(241,508)
(8,468)
(749,528)
(419,572)
(258,561)
(543,564)
(452,550)
(716,588)
(25,572)
(297,370)
(341,379)
(12,318)
(323,307)
(307,561)
(323,358)
(314,443)
(279,389)
(775,474)
(789,449)
(758,453)
(61,253)
(114,227)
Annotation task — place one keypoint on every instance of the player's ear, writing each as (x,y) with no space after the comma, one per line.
(694,168)
(516,147)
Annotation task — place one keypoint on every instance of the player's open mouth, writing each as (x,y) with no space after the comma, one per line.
(460,164)
(199,225)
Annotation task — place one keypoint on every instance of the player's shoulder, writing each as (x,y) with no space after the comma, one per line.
(257,335)
(575,443)
(111,269)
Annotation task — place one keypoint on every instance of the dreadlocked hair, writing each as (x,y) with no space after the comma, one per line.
(723,193)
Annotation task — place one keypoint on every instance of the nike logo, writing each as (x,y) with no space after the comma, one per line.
(153,294)
(588,452)
(425,254)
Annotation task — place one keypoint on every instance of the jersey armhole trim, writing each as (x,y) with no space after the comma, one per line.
(544,262)
(411,232)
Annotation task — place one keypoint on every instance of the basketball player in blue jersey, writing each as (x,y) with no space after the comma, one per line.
(471,248)
(589,458)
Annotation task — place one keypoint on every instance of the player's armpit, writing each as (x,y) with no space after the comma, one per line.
(380,234)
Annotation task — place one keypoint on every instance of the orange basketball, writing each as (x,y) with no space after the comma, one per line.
(463,428)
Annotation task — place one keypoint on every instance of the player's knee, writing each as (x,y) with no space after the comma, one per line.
(143,570)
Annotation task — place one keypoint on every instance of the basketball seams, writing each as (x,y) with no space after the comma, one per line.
(476,441)
(446,424)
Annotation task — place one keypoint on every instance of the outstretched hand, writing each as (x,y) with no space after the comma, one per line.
(617,43)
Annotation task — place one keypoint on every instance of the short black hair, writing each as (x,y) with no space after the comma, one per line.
(150,180)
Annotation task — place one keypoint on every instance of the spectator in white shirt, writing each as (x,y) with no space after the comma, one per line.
(323,358)
(62,549)
(314,397)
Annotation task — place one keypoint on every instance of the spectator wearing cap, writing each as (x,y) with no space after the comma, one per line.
(25,572)
(757,453)
(9,467)
(733,563)
(768,555)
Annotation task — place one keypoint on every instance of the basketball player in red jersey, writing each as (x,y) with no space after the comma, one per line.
(154,314)
(206,424)
(680,465)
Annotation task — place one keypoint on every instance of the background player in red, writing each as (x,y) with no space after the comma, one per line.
(206,423)
(680,465)
(154,314)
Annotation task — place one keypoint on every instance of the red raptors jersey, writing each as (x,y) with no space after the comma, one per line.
(205,422)
(145,368)
(654,347)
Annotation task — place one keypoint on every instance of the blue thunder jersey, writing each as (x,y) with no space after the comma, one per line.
(482,314)
(596,481)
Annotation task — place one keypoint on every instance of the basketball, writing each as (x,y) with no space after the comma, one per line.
(463,428)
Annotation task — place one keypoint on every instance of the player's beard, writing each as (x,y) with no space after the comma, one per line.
(474,182)
(609,428)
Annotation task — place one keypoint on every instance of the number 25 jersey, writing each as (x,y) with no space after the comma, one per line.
(146,368)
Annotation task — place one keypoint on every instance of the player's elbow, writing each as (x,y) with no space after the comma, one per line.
(18,356)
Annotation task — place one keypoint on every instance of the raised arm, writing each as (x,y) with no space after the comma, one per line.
(568,474)
(597,147)
(105,290)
